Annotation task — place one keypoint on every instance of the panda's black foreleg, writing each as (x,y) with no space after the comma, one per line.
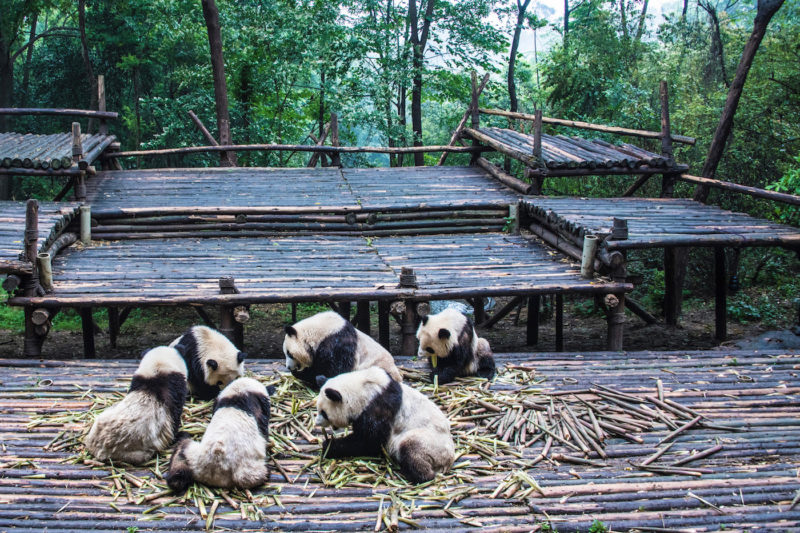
(352,445)
(486,367)
(446,374)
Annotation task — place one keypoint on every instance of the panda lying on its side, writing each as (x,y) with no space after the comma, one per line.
(385,414)
(449,339)
(146,421)
(327,345)
(233,450)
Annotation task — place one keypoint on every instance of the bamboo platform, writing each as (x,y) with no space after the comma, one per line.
(657,223)
(751,484)
(48,155)
(299,268)
(568,154)
(53,218)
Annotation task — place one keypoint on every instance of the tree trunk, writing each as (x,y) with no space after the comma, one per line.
(419,38)
(624,16)
(6,82)
(685,8)
(717,48)
(642,22)
(766,9)
(26,71)
(87,64)
(211,16)
(566,24)
(321,110)
(512,58)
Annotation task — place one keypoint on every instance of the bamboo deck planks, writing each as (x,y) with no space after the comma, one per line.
(47,152)
(752,484)
(53,217)
(658,222)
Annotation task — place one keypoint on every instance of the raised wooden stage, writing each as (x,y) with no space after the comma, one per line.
(53,219)
(750,484)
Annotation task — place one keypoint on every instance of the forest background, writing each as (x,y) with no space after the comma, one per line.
(398,73)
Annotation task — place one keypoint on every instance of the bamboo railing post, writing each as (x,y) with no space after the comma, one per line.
(383,323)
(87,327)
(336,159)
(101,103)
(32,345)
(720,295)
(228,325)
(460,127)
(532,326)
(86,224)
(536,179)
(362,316)
(77,155)
(408,280)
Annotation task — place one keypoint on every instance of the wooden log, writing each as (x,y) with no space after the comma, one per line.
(559,322)
(641,180)
(532,324)
(501,147)
(383,323)
(578,172)
(101,103)
(45,271)
(94,153)
(720,295)
(588,125)
(87,327)
(616,322)
(537,138)
(83,113)
(228,325)
(362,316)
(504,178)
(502,312)
(113,326)
(199,123)
(312,161)
(77,146)
(755,192)
(335,157)
(296,147)
(460,127)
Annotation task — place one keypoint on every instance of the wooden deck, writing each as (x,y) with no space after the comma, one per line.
(53,218)
(751,484)
(562,154)
(297,268)
(657,223)
(43,155)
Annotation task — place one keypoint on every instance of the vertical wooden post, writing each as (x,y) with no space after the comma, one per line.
(294,312)
(537,137)
(113,325)
(671,287)
(532,326)
(479,309)
(559,322)
(87,326)
(344,309)
(720,294)
(44,263)
(513,217)
(32,346)
(336,159)
(616,320)
(228,325)
(383,323)
(77,154)
(475,115)
(362,316)
(408,280)
(86,224)
(101,102)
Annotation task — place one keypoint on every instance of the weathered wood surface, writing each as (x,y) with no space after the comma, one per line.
(567,153)
(751,485)
(658,222)
(52,219)
(175,271)
(47,152)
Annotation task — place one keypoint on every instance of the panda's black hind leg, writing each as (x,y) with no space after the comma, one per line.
(486,367)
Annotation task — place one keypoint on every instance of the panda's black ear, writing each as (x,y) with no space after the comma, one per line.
(241,356)
(212,364)
(444,333)
(321,381)
(290,331)
(333,395)
(271,390)
(424,320)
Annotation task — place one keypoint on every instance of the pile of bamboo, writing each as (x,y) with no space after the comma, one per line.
(48,152)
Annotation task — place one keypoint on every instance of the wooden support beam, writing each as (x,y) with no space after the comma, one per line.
(755,192)
(312,161)
(616,320)
(532,326)
(101,103)
(460,127)
(113,325)
(88,329)
(641,180)
(336,159)
(362,316)
(559,322)
(498,315)
(205,317)
(228,324)
(720,295)
(83,113)
(537,138)
(479,309)
(199,123)
(506,179)
(409,324)
(383,323)
(673,285)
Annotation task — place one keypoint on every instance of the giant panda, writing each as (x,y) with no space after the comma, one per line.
(233,450)
(448,338)
(213,360)
(385,414)
(146,421)
(326,344)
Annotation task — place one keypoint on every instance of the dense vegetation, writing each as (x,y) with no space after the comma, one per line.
(289,63)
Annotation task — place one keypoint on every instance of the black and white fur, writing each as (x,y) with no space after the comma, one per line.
(233,450)
(327,345)
(448,338)
(213,360)
(146,421)
(385,414)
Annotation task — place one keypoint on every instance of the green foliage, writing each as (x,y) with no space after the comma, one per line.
(304,310)
(598,527)
(789,183)
(743,309)
(12,318)
(587,308)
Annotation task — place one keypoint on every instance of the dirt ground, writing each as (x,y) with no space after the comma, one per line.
(264,333)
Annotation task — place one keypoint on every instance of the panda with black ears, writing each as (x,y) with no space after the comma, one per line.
(233,450)
(385,414)
(327,345)
(213,360)
(448,338)
(146,421)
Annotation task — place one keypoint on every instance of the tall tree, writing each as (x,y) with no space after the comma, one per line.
(512,57)
(419,39)
(87,63)
(211,16)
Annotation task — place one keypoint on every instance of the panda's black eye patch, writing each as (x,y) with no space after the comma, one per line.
(430,350)
(290,356)
(324,414)
(219,384)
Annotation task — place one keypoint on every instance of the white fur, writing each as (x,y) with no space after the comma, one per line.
(212,344)
(453,321)
(139,426)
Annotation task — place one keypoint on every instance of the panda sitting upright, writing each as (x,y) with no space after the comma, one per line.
(449,339)
(213,360)
(385,414)
(327,345)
